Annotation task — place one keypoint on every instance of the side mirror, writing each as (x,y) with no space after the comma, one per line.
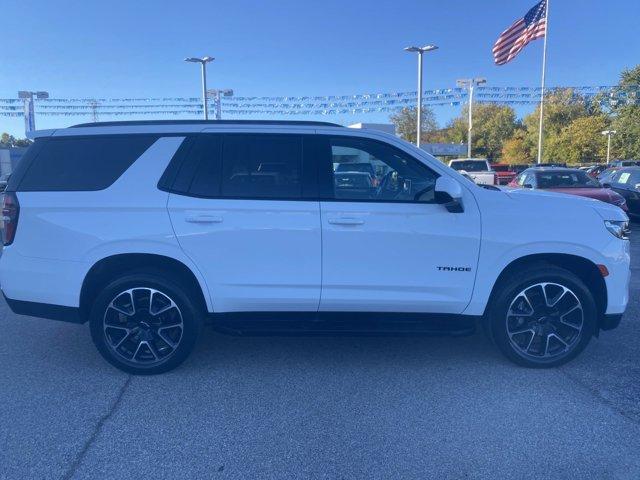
(449,193)
(606,185)
(527,185)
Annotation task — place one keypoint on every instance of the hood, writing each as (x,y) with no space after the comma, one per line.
(603,194)
(545,199)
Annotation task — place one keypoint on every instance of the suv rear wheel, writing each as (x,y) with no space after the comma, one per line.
(543,317)
(144,324)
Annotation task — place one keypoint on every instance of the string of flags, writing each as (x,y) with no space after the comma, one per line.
(307,105)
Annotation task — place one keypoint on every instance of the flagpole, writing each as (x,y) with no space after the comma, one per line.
(544,72)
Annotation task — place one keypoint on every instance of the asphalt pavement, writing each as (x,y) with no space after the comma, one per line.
(319,408)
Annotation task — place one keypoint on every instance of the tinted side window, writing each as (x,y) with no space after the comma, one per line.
(83,163)
(205,159)
(24,164)
(529,179)
(262,166)
(628,179)
(368,170)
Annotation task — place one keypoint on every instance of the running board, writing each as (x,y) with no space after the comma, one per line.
(343,324)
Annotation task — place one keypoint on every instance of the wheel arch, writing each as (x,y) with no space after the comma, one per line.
(109,268)
(582,267)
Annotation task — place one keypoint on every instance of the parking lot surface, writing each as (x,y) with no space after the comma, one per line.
(319,407)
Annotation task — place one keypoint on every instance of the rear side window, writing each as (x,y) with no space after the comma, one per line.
(83,163)
(262,166)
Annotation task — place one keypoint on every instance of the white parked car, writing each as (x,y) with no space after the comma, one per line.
(478,170)
(146,230)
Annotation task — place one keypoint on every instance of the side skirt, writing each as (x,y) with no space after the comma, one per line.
(342,323)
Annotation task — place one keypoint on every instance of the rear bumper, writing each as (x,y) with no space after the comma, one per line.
(44,310)
(41,280)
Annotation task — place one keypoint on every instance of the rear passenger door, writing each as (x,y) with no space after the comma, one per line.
(244,207)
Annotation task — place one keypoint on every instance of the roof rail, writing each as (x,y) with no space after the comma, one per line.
(205,122)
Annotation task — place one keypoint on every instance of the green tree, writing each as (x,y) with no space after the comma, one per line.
(581,141)
(626,117)
(7,140)
(515,150)
(626,142)
(406,119)
(630,77)
(561,108)
(492,125)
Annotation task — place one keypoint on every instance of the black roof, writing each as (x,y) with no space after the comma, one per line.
(205,122)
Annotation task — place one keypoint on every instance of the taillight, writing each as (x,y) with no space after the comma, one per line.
(10,212)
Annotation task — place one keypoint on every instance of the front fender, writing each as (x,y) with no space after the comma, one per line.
(491,266)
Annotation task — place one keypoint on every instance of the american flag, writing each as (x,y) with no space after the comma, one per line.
(518,35)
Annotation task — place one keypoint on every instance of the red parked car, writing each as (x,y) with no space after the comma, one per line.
(567,180)
(505,173)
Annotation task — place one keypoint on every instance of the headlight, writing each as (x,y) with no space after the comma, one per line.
(618,228)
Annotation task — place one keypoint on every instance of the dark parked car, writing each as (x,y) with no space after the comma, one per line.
(359,167)
(626,182)
(625,163)
(605,175)
(567,180)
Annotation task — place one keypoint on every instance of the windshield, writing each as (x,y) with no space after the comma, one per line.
(501,168)
(569,179)
(470,165)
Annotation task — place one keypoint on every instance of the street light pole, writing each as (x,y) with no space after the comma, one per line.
(470,84)
(203,64)
(29,110)
(608,133)
(419,112)
(420,51)
(217,95)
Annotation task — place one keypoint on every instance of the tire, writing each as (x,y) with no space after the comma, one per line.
(542,317)
(144,324)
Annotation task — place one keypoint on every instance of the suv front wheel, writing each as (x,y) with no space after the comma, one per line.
(144,324)
(543,317)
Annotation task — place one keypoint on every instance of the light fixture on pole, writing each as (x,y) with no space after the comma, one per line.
(608,133)
(469,84)
(203,64)
(217,95)
(29,111)
(420,51)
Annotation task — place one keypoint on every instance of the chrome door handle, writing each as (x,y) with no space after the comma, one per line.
(346,221)
(203,218)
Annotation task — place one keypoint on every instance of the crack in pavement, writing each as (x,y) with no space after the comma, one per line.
(96,431)
(603,400)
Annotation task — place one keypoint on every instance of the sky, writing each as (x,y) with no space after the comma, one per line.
(124,48)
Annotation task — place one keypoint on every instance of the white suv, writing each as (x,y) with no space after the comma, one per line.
(149,229)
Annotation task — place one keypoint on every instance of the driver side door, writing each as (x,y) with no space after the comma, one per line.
(391,247)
